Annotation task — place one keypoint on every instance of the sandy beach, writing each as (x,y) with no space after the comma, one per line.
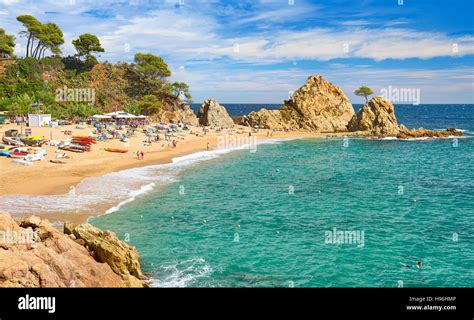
(46,178)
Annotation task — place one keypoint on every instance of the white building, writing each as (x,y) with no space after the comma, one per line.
(39,120)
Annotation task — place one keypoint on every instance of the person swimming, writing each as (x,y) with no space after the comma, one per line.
(419,265)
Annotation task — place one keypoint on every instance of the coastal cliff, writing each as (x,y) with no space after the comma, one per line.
(317,106)
(377,118)
(34,254)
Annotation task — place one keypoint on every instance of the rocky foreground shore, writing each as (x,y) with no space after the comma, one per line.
(34,254)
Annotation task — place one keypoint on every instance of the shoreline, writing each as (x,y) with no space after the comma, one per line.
(47,179)
(49,190)
(59,183)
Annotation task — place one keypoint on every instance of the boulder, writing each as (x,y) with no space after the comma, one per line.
(176,114)
(317,106)
(268,119)
(406,133)
(212,114)
(42,256)
(107,248)
(32,222)
(377,117)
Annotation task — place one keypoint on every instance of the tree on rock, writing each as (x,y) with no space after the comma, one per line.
(86,45)
(7,43)
(364,92)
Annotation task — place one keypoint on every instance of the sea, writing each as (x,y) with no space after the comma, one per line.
(313,212)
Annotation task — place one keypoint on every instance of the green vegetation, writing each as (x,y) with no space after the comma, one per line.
(141,87)
(364,92)
(41,37)
(87,44)
(181,91)
(7,44)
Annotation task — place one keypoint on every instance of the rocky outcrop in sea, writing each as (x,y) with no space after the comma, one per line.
(212,114)
(320,106)
(317,106)
(377,118)
(34,254)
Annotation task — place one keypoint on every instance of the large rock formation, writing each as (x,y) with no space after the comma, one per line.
(35,254)
(175,114)
(212,114)
(317,106)
(269,119)
(105,247)
(377,118)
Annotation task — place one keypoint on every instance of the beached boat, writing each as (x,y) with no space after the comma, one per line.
(6,147)
(34,157)
(18,154)
(13,142)
(85,140)
(72,149)
(33,141)
(115,150)
(4,153)
(84,147)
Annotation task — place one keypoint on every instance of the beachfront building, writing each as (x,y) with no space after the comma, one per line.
(39,120)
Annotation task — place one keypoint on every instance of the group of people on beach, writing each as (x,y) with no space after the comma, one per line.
(140,155)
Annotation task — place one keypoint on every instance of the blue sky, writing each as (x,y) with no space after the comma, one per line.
(258,51)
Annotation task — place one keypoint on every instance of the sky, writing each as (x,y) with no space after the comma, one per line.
(259,51)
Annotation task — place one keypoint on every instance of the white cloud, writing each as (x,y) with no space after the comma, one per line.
(191,32)
(326,44)
(164,32)
(201,37)
(247,85)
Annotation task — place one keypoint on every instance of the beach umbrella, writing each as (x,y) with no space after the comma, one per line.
(126,116)
(120,115)
(100,116)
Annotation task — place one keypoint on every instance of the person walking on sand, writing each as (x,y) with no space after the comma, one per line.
(208,146)
(142,155)
(138,155)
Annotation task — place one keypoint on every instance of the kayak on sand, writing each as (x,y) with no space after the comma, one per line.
(115,150)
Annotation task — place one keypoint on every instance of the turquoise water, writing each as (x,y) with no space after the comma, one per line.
(260,219)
